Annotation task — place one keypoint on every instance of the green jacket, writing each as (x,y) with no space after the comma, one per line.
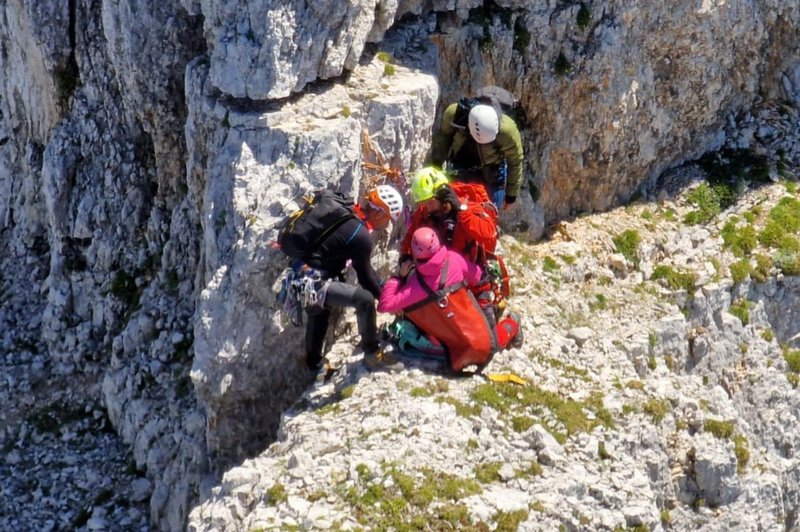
(508,145)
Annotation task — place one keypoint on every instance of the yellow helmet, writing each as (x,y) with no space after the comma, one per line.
(425,183)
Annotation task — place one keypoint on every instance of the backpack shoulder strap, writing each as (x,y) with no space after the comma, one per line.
(331,228)
(440,293)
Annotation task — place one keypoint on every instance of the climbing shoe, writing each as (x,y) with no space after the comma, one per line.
(382,359)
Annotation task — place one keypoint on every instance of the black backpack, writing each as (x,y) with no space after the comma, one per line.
(503,101)
(319,214)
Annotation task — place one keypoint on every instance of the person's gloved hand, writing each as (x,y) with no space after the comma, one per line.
(405,257)
(405,269)
(404,266)
(446,195)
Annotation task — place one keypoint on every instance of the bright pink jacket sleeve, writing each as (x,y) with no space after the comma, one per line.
(397,295)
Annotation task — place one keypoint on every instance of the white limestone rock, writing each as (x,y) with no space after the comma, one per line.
(715,470)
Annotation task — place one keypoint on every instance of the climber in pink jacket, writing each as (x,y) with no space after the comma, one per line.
(430,257)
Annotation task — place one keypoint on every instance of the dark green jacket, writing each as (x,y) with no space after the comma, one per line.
(508,145)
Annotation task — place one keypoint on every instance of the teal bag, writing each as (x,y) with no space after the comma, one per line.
(412,342)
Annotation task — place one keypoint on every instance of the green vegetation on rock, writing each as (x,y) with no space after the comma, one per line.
(741,309)
(627,244)
(675,279)
(718,428)
(740,240)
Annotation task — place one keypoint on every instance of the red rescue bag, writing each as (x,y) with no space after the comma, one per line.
(472,191)
(453,316)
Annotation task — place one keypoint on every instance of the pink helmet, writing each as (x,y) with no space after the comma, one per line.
(424,243)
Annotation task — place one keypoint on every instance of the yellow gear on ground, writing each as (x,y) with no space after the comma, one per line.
(506,377)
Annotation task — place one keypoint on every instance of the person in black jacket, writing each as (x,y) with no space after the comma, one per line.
(352,242)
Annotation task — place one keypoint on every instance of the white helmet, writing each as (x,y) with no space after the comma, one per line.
(391,198)
(483,123)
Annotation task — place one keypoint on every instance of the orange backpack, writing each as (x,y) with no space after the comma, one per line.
(494,264)
(453,316)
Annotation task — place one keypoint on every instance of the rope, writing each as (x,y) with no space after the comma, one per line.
(376,170)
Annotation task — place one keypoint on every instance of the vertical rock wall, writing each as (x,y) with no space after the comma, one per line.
(101,240)
(248,367)
(615,92)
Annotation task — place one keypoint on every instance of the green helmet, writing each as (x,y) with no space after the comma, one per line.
(425,183)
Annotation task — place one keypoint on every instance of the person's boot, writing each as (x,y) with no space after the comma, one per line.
(324,373)
(382,358)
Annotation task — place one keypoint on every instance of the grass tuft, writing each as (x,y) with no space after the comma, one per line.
(509,521)
(762,269)
(742,452)
(488,472)
(522,37)
(741,309)
(627,244)
(537,403)
(657,409)
(792,358)
(740,270)
(550,265)
(740,240)
(562,66)
(584,17)
(722,430)
(676,280)
(276,494)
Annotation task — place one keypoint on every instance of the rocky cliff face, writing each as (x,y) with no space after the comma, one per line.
(643,408)
(146,149)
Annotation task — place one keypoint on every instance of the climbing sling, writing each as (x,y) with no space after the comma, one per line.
(300,288)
